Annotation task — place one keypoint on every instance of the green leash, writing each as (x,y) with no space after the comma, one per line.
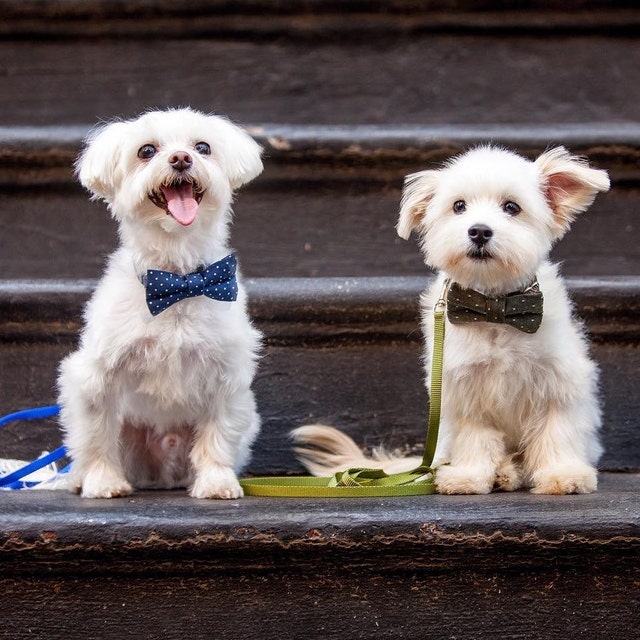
(356,483)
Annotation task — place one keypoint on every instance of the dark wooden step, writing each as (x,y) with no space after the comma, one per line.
(325,206)
(307,19)
(342,351)
(44,155)
(161,565)
(317,62)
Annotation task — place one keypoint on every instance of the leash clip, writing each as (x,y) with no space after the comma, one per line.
(441,304)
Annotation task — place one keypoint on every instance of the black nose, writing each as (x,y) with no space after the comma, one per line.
(180,161)
(480,234)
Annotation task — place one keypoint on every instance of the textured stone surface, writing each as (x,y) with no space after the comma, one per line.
(158,564)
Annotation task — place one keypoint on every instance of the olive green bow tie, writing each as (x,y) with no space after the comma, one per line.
(521,309)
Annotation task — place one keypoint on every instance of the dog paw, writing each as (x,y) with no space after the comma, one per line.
(570,478)
(102,482)
(463,480)
(507,477)
(220,483)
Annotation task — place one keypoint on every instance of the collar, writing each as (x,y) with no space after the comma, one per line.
(519,309)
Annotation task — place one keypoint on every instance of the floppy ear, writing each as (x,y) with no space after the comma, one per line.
(238,152)
(418,190)
(97,165)
(569,184)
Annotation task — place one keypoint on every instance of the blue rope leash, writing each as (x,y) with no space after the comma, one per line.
(14,480)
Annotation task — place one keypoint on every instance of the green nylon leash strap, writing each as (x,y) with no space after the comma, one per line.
(321,487)
(435,389)
(357,483)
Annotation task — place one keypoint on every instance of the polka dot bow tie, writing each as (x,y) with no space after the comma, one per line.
(217,281)
(522,309)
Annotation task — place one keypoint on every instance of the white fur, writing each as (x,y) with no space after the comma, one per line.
(518,409)
(164,401)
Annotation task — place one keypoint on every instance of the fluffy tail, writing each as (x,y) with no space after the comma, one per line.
(325,450)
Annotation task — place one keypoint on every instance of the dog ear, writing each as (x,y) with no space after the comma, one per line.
(418,190)
(569,184)
(97,165)
(238,151)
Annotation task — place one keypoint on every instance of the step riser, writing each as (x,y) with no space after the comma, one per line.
(325,230)
(541,603)
(425,78)
(374,391)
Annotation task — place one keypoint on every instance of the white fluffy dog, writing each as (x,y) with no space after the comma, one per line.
(520,404)
(159,396)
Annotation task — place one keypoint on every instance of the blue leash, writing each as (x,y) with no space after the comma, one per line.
(14,480)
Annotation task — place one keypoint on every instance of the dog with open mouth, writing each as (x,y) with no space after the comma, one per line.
(158,394)
(519,392)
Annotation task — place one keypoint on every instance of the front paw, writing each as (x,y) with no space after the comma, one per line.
(464,480)
(103,482)
(217,482)
(507,476)
(564,479)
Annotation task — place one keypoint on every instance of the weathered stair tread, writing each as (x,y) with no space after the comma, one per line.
(162,565)
(38,526)
(301,310)
(45,154)
(90,18)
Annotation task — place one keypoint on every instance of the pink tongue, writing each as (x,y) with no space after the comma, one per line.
(181,203)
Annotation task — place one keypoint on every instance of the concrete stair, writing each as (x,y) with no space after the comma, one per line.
(325,206)
(339,350)
(346,98)
(165,566)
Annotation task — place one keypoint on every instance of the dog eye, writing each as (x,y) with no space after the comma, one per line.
(146,151)
(203,148)
(512,208)
(459,206)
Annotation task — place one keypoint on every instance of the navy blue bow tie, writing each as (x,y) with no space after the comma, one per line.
(217,281)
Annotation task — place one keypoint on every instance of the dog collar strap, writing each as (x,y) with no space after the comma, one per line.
(217,281)
(521,310)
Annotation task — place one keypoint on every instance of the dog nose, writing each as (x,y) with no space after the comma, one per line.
(480,234)
(180,161)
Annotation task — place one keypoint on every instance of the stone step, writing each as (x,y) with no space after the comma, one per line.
(341,351)
(435,76)
(325,206)
(162,565)
(321,62)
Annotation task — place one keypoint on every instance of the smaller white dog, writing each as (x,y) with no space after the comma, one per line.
(158,395)
(520,405)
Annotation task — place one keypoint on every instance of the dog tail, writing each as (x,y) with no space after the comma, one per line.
(325,451)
